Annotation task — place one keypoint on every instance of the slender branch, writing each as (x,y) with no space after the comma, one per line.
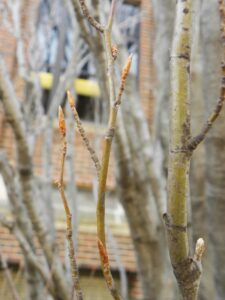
(30,255)
(114,105)
(106,270)
(9,279)
(24,158)
(104,172)
(17,20)
(83,134)
(109,57)
(73,264)
(32,258)
(111,15)
(195,141)
(90,19)
(83,28)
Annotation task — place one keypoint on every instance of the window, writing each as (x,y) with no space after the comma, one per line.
(55,41)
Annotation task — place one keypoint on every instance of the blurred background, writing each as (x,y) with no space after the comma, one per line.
(46,48)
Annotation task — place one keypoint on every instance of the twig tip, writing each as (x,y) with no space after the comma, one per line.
(199,249)
(70,99)
(127,66)
(62,123)
(102,252)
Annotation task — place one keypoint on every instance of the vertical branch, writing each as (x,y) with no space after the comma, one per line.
(186,269)
(180,128)
(73,264)
(103,177)
(195,141)
(114,106)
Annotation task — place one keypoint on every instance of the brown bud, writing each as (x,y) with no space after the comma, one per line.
(126,68)
(62,123)
(114,51)
(103,253)
(70,99)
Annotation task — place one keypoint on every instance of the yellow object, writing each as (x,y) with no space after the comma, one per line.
(82,87)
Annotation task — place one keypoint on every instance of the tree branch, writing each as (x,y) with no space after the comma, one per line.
(195,141)
(83,134)
(186,269)
(90,19)
(9,279)
(69,229)
(114,105)
(26,176)
(84,32)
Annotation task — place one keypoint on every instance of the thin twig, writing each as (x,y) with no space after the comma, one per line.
(106,270)
(103,177)
(109,57)
(83,134)
(111,15)
(9,279)
(195,141)
(84,30)
(114,106)
(90,19)
(73,264)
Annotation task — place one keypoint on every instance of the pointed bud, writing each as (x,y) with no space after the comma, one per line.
(62,123)
(70,99)
(126,68)
(114,51)
(103,253)
(199,249)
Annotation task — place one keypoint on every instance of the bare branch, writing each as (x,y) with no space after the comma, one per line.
(32,258)
(26,176)
(111,15)
(17,15)
(104,171)
(90,19)
(73,264)
(83,134)
(187,270)
(83,28)
(106,270)
(9,279)
(195,141)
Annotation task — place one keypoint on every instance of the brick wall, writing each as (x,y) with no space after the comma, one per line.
(146,65)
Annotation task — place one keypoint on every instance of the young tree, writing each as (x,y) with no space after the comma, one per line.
(141,187)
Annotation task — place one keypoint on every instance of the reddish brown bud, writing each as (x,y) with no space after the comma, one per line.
(103,253)
(62,123)
(126,68)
